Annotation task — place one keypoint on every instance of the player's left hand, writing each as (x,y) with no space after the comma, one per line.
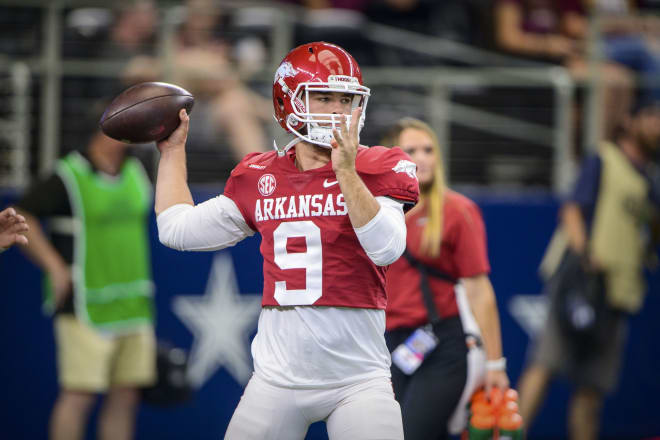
(496,379)
(345,143)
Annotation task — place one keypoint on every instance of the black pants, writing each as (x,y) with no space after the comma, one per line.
(429,396)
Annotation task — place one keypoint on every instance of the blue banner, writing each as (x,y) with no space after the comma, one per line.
(208,303)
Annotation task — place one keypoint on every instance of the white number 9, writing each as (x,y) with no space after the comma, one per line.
(311,260)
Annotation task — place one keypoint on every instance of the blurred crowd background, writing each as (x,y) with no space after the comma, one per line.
(517,89)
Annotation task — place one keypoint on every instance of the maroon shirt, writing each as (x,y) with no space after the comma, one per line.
(462,254)
(544,16)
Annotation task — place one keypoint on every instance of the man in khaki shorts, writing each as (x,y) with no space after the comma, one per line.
(603,231)
(99,287)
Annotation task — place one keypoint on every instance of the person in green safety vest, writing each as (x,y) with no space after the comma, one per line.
(98,284)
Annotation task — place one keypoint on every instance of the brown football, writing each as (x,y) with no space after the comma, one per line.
(145,112)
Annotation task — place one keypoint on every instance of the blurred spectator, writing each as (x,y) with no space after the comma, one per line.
(12,229)
(544,29)
(201,25)
(227,120)
(626,38)
(535,29)
(603,232)
(119,31)
(99,284)
(204,25)
(133,31)
(226,105)
(338,21)
(227,113)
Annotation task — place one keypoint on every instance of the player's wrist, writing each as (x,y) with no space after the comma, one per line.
(496,364)
(346,172)
(170,150)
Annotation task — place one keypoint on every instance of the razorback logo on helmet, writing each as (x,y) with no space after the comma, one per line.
(284,71)
(266,184)
(406,166)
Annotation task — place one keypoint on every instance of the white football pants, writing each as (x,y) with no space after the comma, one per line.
(363,411)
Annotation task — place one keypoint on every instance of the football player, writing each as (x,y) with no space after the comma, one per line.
(331,217)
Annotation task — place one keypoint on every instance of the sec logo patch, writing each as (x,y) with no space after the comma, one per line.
(266,184)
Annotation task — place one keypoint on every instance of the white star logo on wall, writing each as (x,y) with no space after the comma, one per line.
(221,321)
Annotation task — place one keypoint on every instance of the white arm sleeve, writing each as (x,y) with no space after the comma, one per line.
(215,224)
(384,237)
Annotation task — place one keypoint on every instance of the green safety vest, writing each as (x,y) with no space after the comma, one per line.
(111,272)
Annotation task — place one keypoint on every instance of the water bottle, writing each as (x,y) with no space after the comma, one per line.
(481,426)
(511,395)
(510,426)
(479,396)
(508,407)
(495,397)
(482,407)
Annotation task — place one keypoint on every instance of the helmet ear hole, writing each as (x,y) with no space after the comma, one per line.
(280,102)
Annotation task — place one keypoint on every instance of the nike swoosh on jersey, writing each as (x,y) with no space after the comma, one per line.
(327,184)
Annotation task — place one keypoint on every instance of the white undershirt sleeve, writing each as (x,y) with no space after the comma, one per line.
(214,224)
(384,237)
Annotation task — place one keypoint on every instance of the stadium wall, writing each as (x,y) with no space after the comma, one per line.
(518,226)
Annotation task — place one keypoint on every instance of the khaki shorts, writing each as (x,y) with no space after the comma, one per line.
(600,370)
(90,361)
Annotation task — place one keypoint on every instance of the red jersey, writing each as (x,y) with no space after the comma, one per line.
(462,254)
(311,253)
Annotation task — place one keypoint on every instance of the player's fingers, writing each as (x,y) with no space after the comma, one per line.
(337,137)
(20,218)
(334,144)
(185,120)
(179,135)
(344,126)
(355,122)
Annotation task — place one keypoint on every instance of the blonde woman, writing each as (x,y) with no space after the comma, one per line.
(446,256)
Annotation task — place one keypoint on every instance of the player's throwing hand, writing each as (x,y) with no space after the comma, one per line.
(345,143)
(177,140)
